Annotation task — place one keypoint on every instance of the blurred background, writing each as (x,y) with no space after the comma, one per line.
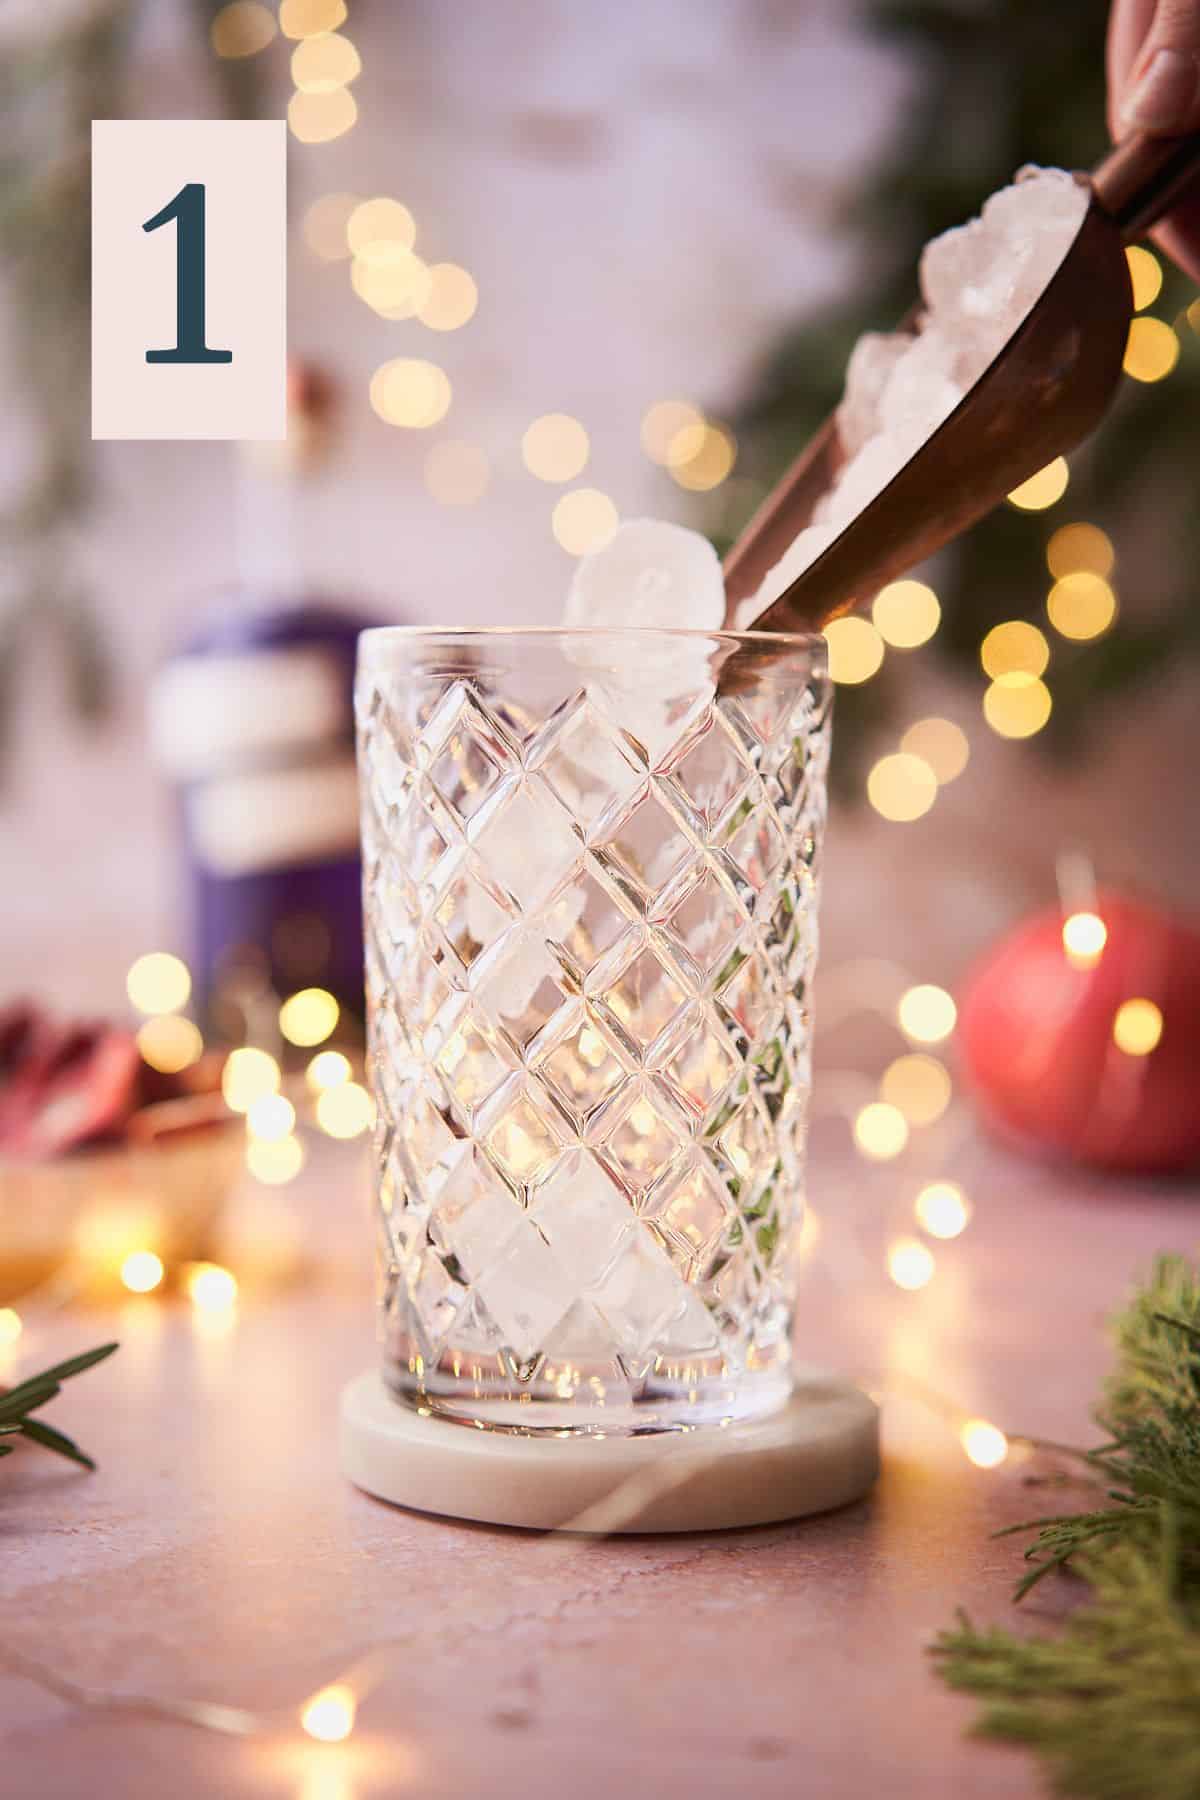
(552,265)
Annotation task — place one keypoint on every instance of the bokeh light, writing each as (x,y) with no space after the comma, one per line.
(1042,489)
(1151,351)
(1145,274)
(270,1118)
(880,1131)
(700,457)
(410,392)
(170,1044)
(1137,1027)
(910,1263)
(1084,935)
(451,300)
(380,229)
(942,744)
(927,1013)
(319,118)
(662,424)
(11,1325)
(1081,605)
(275,1164)
(304,18)
(901,787)
(986,1445)
(1017,706)
(1014,648)
(142,1271)
(918,1086)
(242,28)
(308,1017)
(584,520)
(325,62)
(906,613)
(555,447)
(210,1287)
(329,1715)
(329,1068)
(345,1111)
(1073,548)
(457,473)
(247,1075)
(855,649)
(325,224)
(158,983)
(396,287)
(942,1209)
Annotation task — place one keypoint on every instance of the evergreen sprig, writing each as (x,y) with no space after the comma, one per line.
(19,1404)
(1113,1702)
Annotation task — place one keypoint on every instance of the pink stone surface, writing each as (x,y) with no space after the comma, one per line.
(217,1554)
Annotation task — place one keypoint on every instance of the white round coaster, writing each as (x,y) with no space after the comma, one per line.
(820,1451)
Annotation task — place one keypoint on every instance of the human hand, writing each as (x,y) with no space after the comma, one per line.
(1154,86)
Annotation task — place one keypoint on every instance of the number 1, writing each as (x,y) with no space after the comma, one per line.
(187,210)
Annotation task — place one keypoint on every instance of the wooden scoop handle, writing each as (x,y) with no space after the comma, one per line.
(1137,182)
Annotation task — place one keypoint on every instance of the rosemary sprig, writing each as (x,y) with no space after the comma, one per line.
(18,1404)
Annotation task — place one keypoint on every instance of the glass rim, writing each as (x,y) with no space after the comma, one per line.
(376,636)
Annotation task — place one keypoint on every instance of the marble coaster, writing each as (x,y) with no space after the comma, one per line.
(820,1451)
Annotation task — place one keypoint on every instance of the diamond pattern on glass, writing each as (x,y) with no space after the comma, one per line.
(644,999)
(705,922)
(589,770)
(647,846)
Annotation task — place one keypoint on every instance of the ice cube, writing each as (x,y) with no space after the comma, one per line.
(649,574)
(871,363)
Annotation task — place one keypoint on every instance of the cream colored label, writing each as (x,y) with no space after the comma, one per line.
(189,311)
(208,712)
(244,824)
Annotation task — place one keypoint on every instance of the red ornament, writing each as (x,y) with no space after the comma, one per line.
(1042,1030)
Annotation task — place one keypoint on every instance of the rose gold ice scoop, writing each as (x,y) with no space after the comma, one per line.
(1046,390)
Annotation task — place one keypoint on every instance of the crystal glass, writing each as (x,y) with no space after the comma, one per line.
(590,882)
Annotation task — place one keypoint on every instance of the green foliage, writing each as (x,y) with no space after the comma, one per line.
(1113,1702)
(1005,82)
(18,1405)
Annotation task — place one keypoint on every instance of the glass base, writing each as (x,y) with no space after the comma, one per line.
(594,1406)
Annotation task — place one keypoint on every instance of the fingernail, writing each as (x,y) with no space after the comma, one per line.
(1163,98)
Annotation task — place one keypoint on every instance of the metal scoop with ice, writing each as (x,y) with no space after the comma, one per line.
(1012,361)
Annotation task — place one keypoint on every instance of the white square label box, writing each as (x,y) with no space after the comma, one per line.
(189,278)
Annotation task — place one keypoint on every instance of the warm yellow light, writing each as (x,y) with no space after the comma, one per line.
(1014,648)
(927,1013)
(210,1287)
(452,298)
(1137,1027)
(555,447)
(583,520)
(270,1118)
(942,1209)
(396,287)
(329,1715)
(918,1086)
(410,392)
(906,613)
(855,649)
(1146,276)
(700,458)
(274,1164)
(1017,706)
(304,18)
(662,424)
(318,118)
(986,1445)
(241,29)
(910,1263)
(325,62)
(248,1074)
(941,743)
(457,473)
(880,1131)
(1084,935)
(158,983)
(169,1043)
(10,1325)
(142,1271)
(901,787)
(1073,548)
(380,230)
(1081,605)
(329,1068)
(1044,488)
(345,1111)
(308,1017)
(1151,350)
(324,226)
